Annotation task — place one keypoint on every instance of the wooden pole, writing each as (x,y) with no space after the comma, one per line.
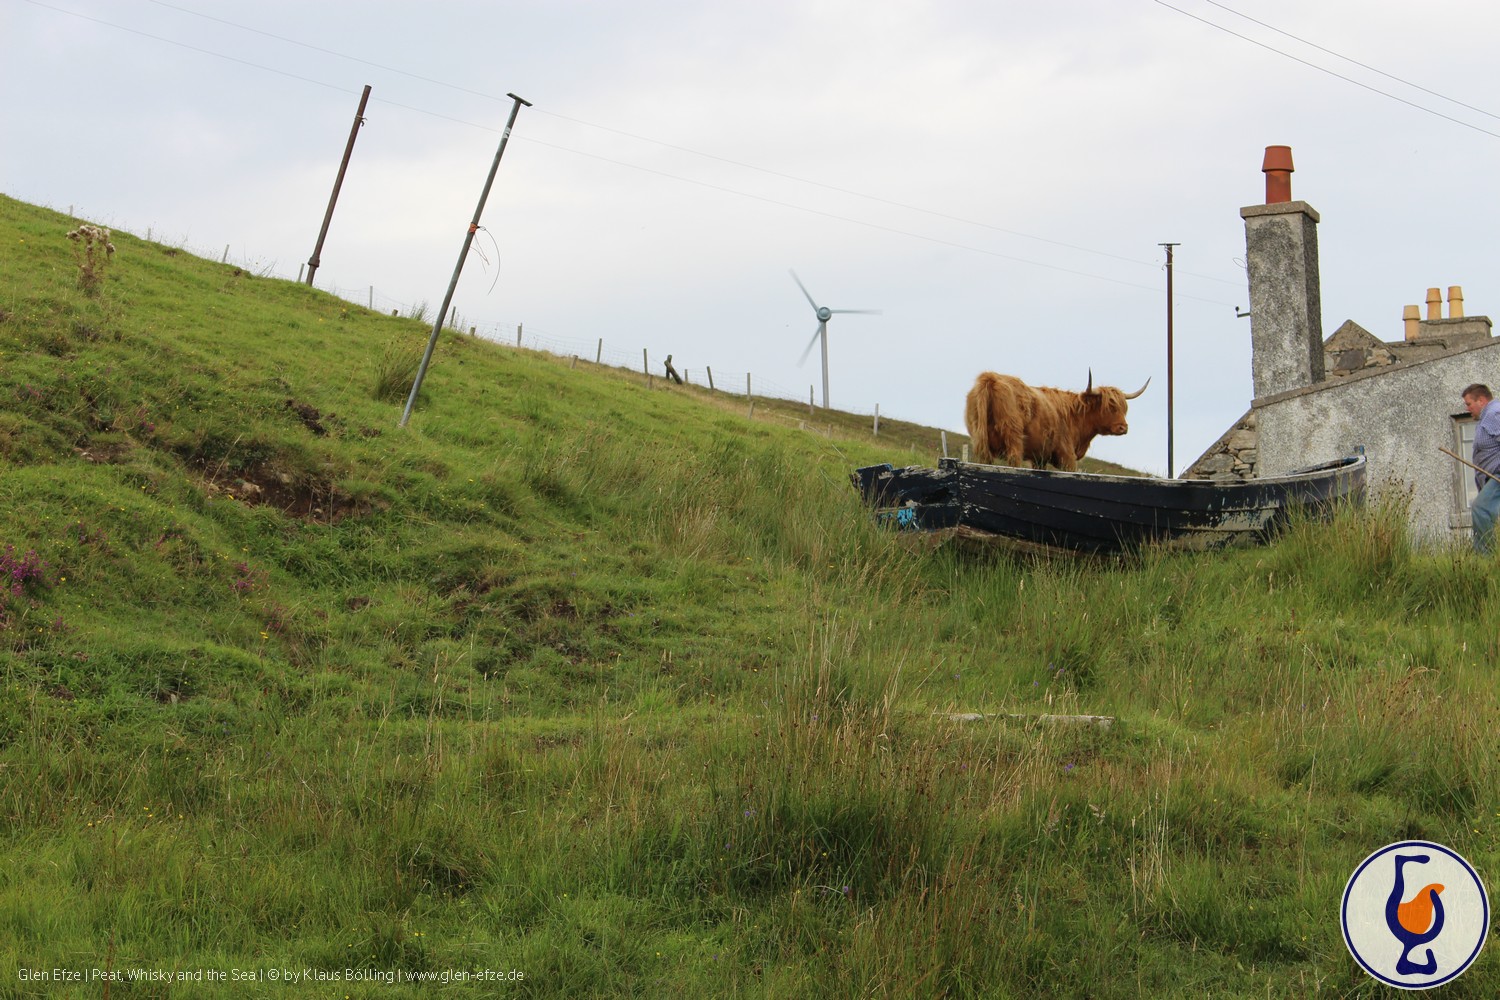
(945,443)
(1169,247)
(599,354)
(1470,464)
(338,182)
(877,420)
(710,378)
(809,401)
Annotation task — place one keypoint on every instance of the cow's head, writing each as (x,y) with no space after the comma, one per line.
(1107,406)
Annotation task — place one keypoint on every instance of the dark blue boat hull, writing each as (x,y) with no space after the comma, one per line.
(1087,512)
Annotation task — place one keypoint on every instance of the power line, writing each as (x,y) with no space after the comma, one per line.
(1324,69)
(679,148)
(632,166)
(185,45)
(1356,62)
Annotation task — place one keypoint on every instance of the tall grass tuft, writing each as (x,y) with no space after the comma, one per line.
(396,368)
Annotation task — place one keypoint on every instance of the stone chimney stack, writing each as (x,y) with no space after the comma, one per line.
(1286,309)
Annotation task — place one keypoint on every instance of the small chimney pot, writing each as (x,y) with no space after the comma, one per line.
(1434,303)
(1277,166)
(1455,302)
(1412,317)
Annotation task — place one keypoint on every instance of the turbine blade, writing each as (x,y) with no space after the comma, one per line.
(867,312)
(804,289)
(811,344)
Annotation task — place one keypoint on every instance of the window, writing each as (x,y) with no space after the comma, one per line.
(1464,489)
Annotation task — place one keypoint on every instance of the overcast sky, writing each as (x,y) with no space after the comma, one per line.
(995,177)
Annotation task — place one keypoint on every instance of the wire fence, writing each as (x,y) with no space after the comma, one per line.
(517,334)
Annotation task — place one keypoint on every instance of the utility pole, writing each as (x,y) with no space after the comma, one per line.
(437,327)
(1169,247)
(359,119)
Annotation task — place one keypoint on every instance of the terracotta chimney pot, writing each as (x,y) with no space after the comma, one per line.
(1278,168)
(1434,303)
(1455,302)
(1412,317)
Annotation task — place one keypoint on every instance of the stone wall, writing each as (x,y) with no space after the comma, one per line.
(1233,457)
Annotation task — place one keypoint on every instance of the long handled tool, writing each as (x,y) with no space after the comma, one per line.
(1470,464)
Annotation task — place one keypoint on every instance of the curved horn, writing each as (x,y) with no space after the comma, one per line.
(1132,395)
(1090,387)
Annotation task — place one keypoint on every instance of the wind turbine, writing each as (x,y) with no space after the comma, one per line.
(824,314)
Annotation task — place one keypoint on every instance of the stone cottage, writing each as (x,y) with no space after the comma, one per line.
(1317,399)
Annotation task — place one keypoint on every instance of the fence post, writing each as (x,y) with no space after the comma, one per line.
(575,362)
(599,354)
(710,377)
(299,266)
(518,334)
(226,254)
(645,368)
(966,454)
(372,297)
(877,420)
(945,443)
(749,398)
(809,401)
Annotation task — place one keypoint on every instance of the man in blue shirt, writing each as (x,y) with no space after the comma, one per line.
(1480,403)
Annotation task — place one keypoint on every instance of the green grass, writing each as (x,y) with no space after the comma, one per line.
(624,691)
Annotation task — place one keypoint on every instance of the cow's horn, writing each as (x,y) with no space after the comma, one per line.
(1090,387)
(1132,395)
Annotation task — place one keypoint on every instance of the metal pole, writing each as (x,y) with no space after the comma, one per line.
(338,182)
(825,365)
(1169,247)
(437,327)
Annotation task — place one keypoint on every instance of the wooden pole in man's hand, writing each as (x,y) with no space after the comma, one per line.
(1470,464)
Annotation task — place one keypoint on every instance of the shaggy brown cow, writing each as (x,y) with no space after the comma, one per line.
(1009,419)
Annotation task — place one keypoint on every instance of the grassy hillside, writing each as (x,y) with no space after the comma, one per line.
(621,692)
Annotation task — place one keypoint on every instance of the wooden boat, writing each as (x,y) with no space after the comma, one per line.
(1089,512)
